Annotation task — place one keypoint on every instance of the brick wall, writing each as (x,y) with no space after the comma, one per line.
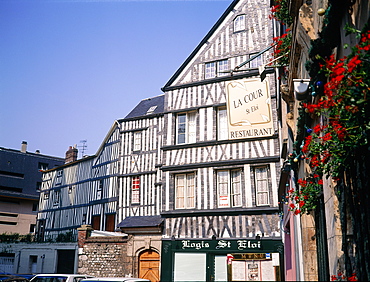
(105,256)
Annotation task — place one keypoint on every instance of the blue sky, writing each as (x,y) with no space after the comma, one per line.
(69,68)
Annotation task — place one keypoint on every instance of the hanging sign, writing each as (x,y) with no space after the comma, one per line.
(249,109)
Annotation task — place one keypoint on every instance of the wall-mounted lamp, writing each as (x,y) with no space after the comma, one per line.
(301,88)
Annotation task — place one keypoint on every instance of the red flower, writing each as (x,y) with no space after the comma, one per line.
(301,204)
(297,212)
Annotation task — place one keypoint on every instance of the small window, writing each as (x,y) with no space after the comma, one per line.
(43,166)
(32,228)
(223,68)
(137,141)
(58,181)
(229,188)
(255,63)
(186,128)
(185,191)
(216,69)
(56,198)
(222,127)
(262,185)
(210,70)
(135,190)
(151,110)
(95,222)
(110,220)
(239,23)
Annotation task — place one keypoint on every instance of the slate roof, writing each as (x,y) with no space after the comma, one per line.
(141,221)
(156,103)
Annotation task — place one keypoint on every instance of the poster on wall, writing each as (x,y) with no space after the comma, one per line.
(249,109)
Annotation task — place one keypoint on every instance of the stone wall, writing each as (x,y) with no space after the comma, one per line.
(104,257)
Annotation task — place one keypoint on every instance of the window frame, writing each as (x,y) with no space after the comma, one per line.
(258,187)
(137,141)
(135,189)
(215,69)
(186,191)
(255,63)
(233,196)
(56,198)
(222,124)
(239,23)
(186,131)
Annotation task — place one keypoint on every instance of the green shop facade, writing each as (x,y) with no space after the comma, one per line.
(222,259)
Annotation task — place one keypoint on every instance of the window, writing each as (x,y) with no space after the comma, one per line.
(135,190)
(151,110)
(32,228)
(110,222)
(229,188)
(186,128)
(43,166)
(262,185)
(99,190)
(58,181)
(239,23)
(210,70)
(222,128)
(137,141)
(56,198)
(222,67)
(95,222)
(255,63)
(214,69)
(185,191)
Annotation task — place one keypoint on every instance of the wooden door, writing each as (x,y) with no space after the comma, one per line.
(149,265)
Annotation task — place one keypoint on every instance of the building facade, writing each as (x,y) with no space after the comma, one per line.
(326,236)
(20,184)
(221,154)
(191,176)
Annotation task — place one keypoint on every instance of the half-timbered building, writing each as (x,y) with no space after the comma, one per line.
(221,155)
(81,192)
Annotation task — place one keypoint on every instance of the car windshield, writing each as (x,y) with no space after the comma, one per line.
(50,279)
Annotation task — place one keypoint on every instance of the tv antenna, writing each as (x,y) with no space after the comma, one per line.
(84,147)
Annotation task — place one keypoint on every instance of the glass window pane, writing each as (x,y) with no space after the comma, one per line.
(210,70)
(192,125)
(190,267)
(181,129)
(223,133)
(220,268)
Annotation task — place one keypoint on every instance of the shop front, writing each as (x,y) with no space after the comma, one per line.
(221,260)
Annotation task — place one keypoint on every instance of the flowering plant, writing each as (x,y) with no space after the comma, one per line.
(280,12)
(341,277)
(282,48)
(305,199)
(344,109)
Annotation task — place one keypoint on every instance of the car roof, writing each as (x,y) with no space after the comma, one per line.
(53,275)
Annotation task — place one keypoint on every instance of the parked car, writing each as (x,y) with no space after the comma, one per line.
(59,277)
(114,279)
(12,278)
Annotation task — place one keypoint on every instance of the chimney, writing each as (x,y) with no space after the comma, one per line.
(71,154)
(24,147)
